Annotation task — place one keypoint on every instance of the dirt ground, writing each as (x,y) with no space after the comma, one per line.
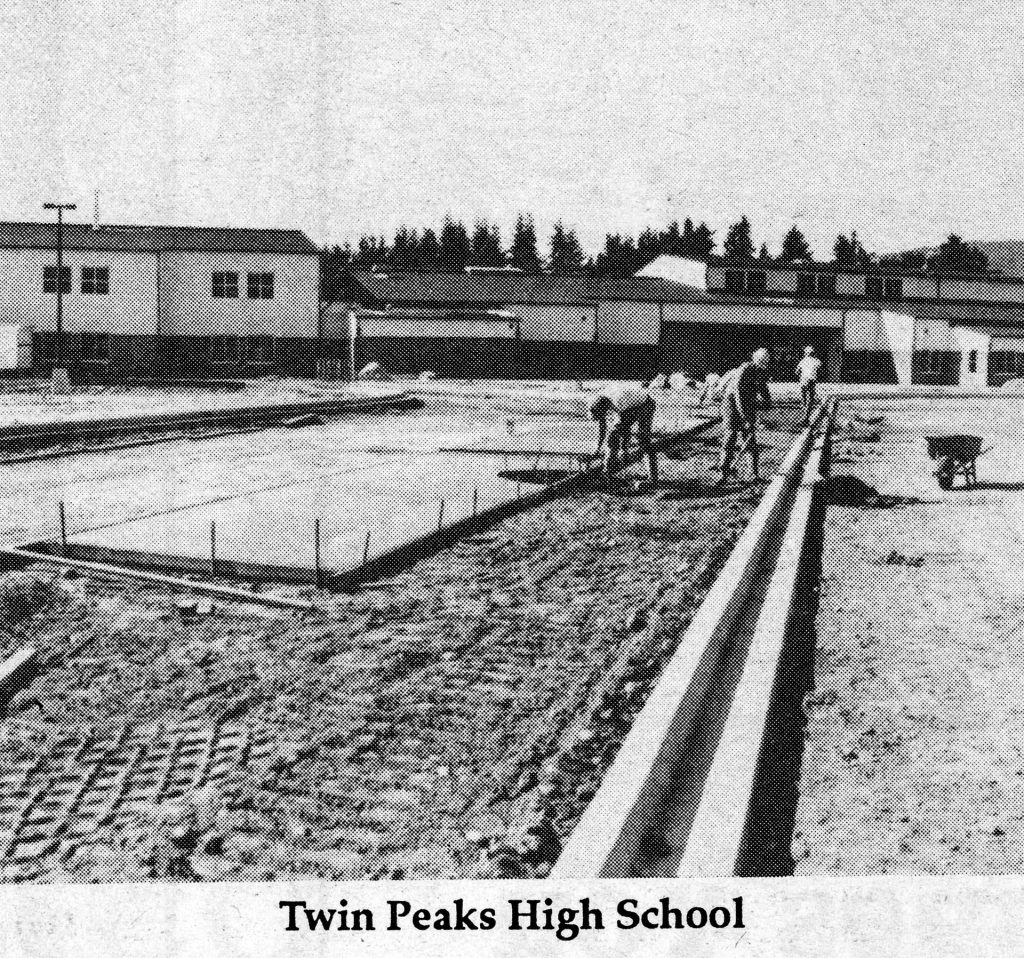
(913,759)
(451,721)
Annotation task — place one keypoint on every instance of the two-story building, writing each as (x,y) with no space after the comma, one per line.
(163,300)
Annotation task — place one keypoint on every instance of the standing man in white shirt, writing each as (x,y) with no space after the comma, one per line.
(807,372)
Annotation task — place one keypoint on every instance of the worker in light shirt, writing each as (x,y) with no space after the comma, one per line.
(807,372)
(618,410)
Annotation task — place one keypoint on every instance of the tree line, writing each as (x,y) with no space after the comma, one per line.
(452,247)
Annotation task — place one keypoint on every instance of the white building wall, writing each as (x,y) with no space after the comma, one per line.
(188,308)
(848,284)
(565,324)
(920,287)
(864,329)
(376,326)
(780,282)
(628,323)
(973,343)
(128,309)
(979,289)
(752,314)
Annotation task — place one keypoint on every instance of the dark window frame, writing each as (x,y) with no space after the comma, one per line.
(95,280)
(806,284)
(50,279)
(224,284)
(223,351)
(95,348)
(892,287)
(260,285)
(259,350)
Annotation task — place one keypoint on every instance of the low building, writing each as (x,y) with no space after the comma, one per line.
(874,325)
(163,300)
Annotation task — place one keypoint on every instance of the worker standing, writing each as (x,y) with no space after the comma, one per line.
(807,372)
(617,411)
(742,389)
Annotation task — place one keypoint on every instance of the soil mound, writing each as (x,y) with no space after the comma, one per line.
(844,490)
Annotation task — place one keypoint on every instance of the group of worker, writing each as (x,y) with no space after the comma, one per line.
(624,410)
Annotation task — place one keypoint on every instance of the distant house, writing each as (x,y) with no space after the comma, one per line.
(163,299)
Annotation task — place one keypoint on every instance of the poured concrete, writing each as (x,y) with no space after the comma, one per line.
(382,474)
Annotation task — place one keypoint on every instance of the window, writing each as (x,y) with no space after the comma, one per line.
(734,281)
(1004,364)
(757,281)
(95,347)
(50,279)
(259,349)
(96,279)
(223,349)
(261,286)
(930,362)
(873,287)
(972,361)
(826,284)
(225,285)
(893,288)
(805,285)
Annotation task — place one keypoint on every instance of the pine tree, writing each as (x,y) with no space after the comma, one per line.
(672,240)
(566,253)
(404,250)
(764,255)
(523,253)
(454,246)
(371,252)
(844,254)
(794,246)
(648,247)
(486,245)
(703,240)
(688,244)
(958,256)
(738,243)
(428,255)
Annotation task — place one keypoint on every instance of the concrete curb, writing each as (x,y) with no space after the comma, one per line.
(606,840)
(720,832)
(26,438)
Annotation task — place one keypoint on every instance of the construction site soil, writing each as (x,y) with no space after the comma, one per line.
(914,754)
(452,721)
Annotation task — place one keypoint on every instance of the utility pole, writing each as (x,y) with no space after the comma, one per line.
(60,207)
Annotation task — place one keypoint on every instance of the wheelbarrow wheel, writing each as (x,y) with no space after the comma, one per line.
(945,472)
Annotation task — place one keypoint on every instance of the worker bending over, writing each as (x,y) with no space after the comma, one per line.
(617,411)
(807,372)
(742,389)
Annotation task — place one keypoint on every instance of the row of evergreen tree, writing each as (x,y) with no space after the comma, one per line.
(453,247)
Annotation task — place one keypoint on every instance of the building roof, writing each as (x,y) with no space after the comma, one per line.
(153,239)
(477,289)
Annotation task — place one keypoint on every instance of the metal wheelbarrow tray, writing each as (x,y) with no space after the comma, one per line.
(956,455)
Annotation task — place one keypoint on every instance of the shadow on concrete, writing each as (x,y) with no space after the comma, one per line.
(996,486)
(767,849)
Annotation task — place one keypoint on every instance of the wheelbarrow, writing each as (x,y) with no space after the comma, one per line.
(955,456)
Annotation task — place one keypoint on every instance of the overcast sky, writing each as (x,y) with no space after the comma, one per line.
(339,117)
